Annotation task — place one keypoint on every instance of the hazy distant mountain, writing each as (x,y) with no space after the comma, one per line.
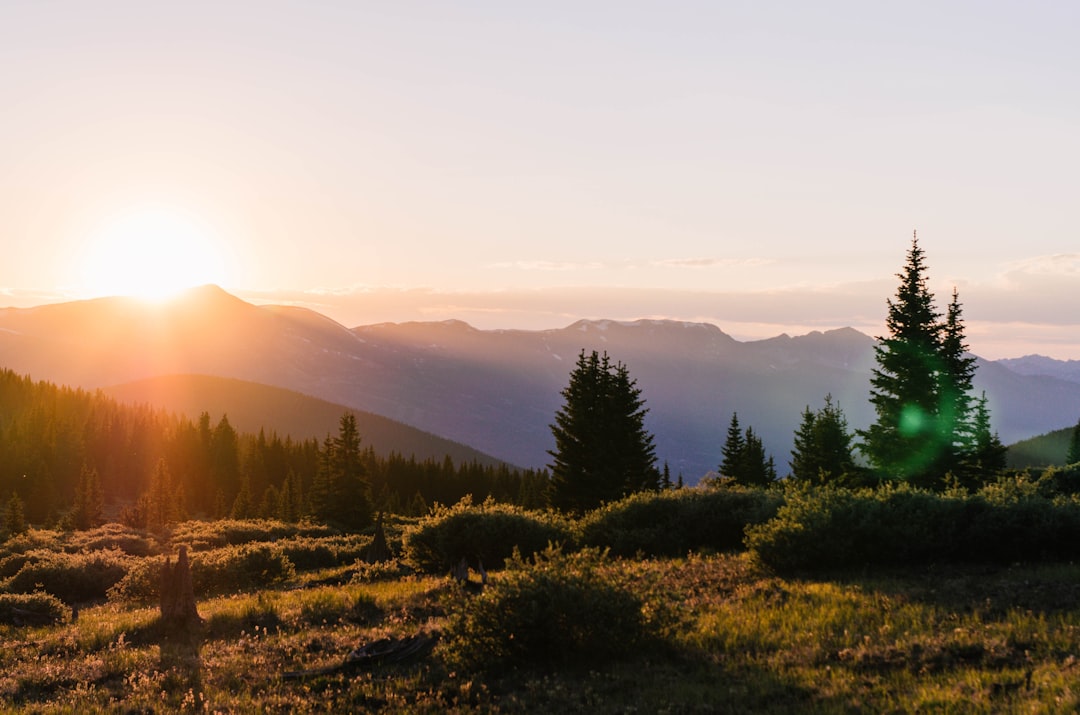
(1042,365)
(251,406)
(495,390)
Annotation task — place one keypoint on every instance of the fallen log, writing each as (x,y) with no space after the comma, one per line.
(385,651)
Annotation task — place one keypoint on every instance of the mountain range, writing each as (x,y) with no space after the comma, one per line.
(498,390)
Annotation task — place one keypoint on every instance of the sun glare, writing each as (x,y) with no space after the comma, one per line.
(151,253)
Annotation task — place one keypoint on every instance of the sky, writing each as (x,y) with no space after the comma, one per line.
(757,165)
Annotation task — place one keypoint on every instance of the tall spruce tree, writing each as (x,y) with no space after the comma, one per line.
(733,449)
(602,449)
(341,492)
(920,386)
(955,414)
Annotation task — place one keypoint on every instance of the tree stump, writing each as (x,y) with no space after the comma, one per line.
(379,550)
(178,611)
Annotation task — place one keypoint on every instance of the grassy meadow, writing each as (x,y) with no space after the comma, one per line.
(575,628)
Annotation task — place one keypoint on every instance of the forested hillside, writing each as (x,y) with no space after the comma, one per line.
(251,407)
(54,440)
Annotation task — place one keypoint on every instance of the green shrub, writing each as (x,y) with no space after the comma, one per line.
(207,535)
(32,540)
(73,578)
(560,609)
(673,523)
(10,564)
(32,608)
(837,528)
(489,533)
(308,553)
(224,570)
(111,536)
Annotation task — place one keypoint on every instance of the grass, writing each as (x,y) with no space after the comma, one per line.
(730,636)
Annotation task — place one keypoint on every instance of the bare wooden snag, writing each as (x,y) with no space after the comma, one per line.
(379,550)
(178,611)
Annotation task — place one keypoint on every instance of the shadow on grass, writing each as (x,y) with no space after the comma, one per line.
(991,590)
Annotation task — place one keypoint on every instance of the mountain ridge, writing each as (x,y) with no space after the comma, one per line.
(497,391)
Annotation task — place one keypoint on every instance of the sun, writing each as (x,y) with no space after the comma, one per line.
(151,253)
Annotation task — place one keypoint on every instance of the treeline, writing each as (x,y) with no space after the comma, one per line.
(72,454)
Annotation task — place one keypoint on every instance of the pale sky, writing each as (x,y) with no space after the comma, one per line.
(757,165)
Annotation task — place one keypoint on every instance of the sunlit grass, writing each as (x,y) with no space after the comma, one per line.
(731,637)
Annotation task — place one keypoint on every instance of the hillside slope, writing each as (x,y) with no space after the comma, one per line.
(251,407)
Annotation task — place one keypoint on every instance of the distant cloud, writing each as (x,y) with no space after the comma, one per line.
(550,265)
(1061,264)
(706,262)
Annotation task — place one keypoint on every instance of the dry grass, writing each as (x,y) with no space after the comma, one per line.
(732,638)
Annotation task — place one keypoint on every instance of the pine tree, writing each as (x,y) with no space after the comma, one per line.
(160,505)
(823,451)
(733,449)
(243,506)
(602,449)
(353,508)
(88,510)
(958,370)
(919,387)
(14,517)
(987,456)
(805,460)
(1073,455)
(755,469)
(744,461)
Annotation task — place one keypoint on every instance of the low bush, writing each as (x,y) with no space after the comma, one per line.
(308,553)
(224,570)
(558,609)
(673,523)
(32,540)
(488,532)
(894,526)
(32,609)
(207,535)
(112,536)
(73,578)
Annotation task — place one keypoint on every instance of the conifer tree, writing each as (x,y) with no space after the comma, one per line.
(1073,454)
(243,506)
(823,451)
(160,505)
(602,449)
(744,461)
(353,508)
(88,510)
(733,449)
(920,386)
(341,493)
(987,456)
(958,369)
(14,517)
